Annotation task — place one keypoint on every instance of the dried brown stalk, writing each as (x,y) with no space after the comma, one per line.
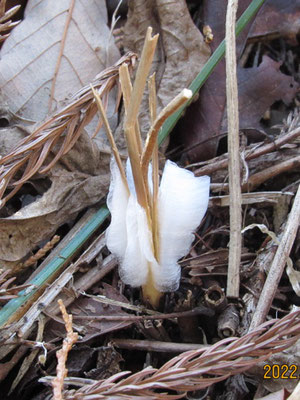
(196,369)
(155,166)
(62,354)
(5,22)
(110,137)
(278,264)
(235,205)
(32,153)
(260,177)
(253,151)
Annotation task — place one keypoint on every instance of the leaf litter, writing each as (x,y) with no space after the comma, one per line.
(197,274)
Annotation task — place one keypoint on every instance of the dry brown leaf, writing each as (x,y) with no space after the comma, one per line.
(79,180)
(181,51)
(259,87)
(59,47)
(89,307)
(283,20)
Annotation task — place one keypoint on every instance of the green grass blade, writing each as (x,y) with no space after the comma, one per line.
(55,265)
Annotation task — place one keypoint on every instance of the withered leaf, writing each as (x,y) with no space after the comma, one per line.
(181,51)
(277,17)
(259,87)
(80,179)
(58,48)
(88,306)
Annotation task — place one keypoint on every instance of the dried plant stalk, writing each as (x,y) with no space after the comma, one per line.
(155,167)
(235,206)
(61,370)
(110,138)
(197,369)
(32,152)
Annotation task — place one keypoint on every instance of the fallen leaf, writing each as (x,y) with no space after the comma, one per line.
(181,51)
(79,180)
(198,131)
(58,48)
(205,121)
(289,356)
(87,306)
(278,18)
(259,87)
(280,395)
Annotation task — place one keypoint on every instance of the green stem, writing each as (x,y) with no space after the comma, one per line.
(54,265)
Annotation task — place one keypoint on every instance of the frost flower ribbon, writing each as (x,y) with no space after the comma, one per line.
(181,203)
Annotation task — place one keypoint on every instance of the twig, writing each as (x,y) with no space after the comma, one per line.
(180,314)
(235,207)
(278,264)
(156,345)
(253,151)
(62,354)
(260,177)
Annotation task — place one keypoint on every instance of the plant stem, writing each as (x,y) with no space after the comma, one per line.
(155,168)
(235,206)
(110,138)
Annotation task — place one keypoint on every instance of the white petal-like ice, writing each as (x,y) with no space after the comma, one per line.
(117,201)
(182,203)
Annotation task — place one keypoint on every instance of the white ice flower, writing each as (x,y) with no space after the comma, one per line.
(182,202)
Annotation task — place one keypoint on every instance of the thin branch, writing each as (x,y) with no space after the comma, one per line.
(61,370)
(235,207)
(278,264)
(253,151)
